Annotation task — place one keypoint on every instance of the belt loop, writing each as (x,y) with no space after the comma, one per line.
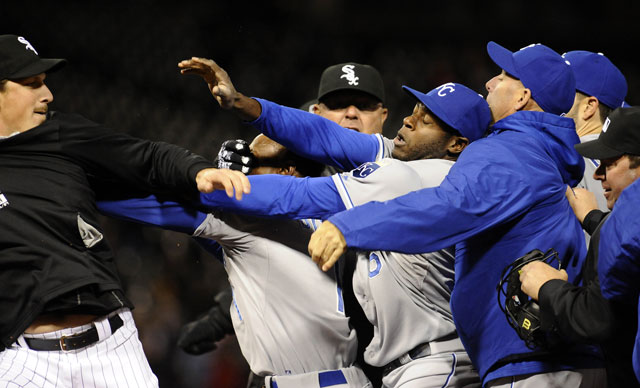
(103,327)
(21,341)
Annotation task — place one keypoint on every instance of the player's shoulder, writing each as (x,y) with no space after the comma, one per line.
(431,171)
(71,120)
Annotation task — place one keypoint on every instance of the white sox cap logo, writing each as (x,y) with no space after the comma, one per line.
(28,45)
(349,74)
(445,89)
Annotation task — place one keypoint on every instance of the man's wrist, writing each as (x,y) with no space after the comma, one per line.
(246,108)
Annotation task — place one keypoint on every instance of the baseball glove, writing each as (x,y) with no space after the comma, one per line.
(522,312)
(235,155)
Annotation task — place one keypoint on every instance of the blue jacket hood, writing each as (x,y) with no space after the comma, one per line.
(556,133)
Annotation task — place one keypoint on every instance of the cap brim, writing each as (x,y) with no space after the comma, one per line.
(429,103)
(38,67)
(503,58)
(595,149)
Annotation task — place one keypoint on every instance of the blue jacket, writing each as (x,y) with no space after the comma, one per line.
(619,264)
(504,197)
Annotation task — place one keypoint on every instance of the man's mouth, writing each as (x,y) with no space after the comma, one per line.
(399,140)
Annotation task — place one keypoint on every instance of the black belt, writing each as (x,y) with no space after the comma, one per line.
(422,350)
(73,342)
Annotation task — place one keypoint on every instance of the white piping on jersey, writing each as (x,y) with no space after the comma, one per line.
(453,370)
(381,150)
(342,190)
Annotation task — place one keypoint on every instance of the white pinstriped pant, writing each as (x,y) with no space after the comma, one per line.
(115,361)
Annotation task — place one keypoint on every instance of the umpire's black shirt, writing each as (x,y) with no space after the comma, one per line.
(52,252)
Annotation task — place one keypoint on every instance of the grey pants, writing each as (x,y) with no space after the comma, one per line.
(579,378)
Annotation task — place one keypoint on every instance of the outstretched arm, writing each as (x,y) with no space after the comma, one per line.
(304,133)
(155,212)
(281,196)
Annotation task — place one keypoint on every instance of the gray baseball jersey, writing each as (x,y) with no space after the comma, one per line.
(587,182)
(287,314)
(406,297)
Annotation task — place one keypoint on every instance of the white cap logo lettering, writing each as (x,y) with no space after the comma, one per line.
(28,45)
(349,74)
(445,89)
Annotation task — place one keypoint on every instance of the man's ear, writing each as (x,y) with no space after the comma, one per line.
(523,100)
(385,114)
(457,144)
(590,108)
(289,170)
(315,109)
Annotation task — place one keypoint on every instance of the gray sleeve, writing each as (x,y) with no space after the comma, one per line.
(594,186)
(383,180)
(216,229)
(385,148)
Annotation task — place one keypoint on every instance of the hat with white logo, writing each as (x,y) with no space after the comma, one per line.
(458,106)
(597,76)
(19,59)
(351,76)
(541,70)
(620,135)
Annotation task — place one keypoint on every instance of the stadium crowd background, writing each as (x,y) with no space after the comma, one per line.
(123,72)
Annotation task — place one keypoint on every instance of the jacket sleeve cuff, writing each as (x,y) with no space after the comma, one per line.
(592,220)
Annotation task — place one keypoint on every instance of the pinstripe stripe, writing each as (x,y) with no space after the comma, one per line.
(132,371)
(111,368)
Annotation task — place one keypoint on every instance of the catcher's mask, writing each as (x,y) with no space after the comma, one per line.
(522,312)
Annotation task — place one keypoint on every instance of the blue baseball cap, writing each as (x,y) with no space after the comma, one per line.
(597,76)
(457,106)
(541,70)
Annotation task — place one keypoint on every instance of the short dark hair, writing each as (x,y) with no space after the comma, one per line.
(634,161)
(306,167)
(604,110)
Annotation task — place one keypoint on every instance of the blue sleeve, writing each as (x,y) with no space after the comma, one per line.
(478,193)
(619,250)
(165,214)
(281,196)
(152,211)
(315,137)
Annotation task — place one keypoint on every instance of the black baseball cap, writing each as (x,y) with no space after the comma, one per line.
(351,76)
(19,59)
(620,135)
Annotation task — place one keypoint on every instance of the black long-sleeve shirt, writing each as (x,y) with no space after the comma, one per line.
(582,314)
(52,254)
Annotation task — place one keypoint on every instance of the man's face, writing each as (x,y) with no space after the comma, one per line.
(23,104)
(504,92)
(420,137)
(615,175)
(354,110)
(269,156)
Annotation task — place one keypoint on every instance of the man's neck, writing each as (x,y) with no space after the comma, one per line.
(589,128)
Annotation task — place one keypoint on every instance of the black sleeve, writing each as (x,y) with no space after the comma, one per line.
(592,220)
(129,163)
(579,314)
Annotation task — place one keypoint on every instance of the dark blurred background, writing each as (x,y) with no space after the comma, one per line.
(123,72)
